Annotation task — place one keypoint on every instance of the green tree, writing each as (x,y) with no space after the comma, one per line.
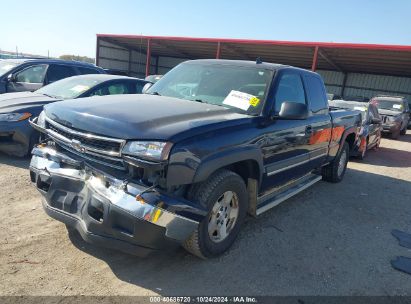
(78,58)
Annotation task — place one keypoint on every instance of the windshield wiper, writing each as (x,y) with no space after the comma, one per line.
(154,93)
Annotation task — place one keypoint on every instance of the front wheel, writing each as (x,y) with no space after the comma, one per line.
(334,172)
(225,196)
(404,131)
(396,134)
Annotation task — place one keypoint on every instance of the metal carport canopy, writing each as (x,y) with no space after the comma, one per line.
(393,60)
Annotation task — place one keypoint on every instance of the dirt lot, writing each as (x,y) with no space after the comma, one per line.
(332,239)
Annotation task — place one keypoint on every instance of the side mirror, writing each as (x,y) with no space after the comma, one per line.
(11,78)
(375,120)
(293,110)
(146,87)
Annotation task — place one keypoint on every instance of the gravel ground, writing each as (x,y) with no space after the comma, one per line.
(332,239)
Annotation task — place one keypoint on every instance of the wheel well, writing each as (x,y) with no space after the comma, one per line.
(246,169)
(350,139)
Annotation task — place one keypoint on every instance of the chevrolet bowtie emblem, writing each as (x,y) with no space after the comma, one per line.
(76,145)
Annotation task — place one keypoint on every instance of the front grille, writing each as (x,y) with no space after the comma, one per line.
(90,147)
(93,143)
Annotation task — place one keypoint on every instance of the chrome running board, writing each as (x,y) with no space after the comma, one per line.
(271,200)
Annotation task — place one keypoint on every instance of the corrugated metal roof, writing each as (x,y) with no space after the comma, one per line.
(346,57)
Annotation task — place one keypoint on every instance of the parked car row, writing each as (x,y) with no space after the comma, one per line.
(382,114)
(370,132)
(29,84)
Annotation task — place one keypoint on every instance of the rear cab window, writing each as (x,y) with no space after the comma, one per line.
(316,94)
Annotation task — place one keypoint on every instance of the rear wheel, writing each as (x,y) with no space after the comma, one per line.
(377,145)
(334,172)
(224,195)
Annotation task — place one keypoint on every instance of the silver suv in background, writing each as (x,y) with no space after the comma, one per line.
(395,114)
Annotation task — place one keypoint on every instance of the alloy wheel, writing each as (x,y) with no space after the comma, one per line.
(223,216)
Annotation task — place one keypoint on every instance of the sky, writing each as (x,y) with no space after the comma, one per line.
(70,27)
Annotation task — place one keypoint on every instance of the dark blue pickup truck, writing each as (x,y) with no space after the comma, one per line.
(184,163)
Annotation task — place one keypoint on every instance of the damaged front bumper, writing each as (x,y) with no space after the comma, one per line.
(104,210)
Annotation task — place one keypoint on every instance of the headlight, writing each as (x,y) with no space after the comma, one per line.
(14,116)
(41,120)
(154,150)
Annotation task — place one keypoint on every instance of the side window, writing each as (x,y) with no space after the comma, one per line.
(84,70)
(316,94)
(139,87)
(33,74)
(118,88)
(56,72)
(112,89)
(290,88)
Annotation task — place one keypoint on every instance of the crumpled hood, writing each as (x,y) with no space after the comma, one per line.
(388,112)
(142,116)
(12,102)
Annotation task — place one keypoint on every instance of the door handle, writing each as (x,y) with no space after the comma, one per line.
(308,130)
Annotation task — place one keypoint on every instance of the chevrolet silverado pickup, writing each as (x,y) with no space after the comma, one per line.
(184,163)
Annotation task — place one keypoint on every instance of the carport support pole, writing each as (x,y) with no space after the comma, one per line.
(97,50)
(218,54)
(148,57)
(315,59)
(343,85)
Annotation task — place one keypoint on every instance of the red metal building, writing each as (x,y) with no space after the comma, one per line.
(347,68)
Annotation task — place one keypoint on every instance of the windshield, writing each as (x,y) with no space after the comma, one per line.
(389,105)
(71,87)
(6,66)
(241,88)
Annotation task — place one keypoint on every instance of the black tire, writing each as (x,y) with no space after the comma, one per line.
(207,194)
(364,153)
(330,173)
(396,134)
(34,140)
(404,131)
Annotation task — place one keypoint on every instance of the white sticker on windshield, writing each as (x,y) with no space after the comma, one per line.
(79,88)
(239,100)
(397,106)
